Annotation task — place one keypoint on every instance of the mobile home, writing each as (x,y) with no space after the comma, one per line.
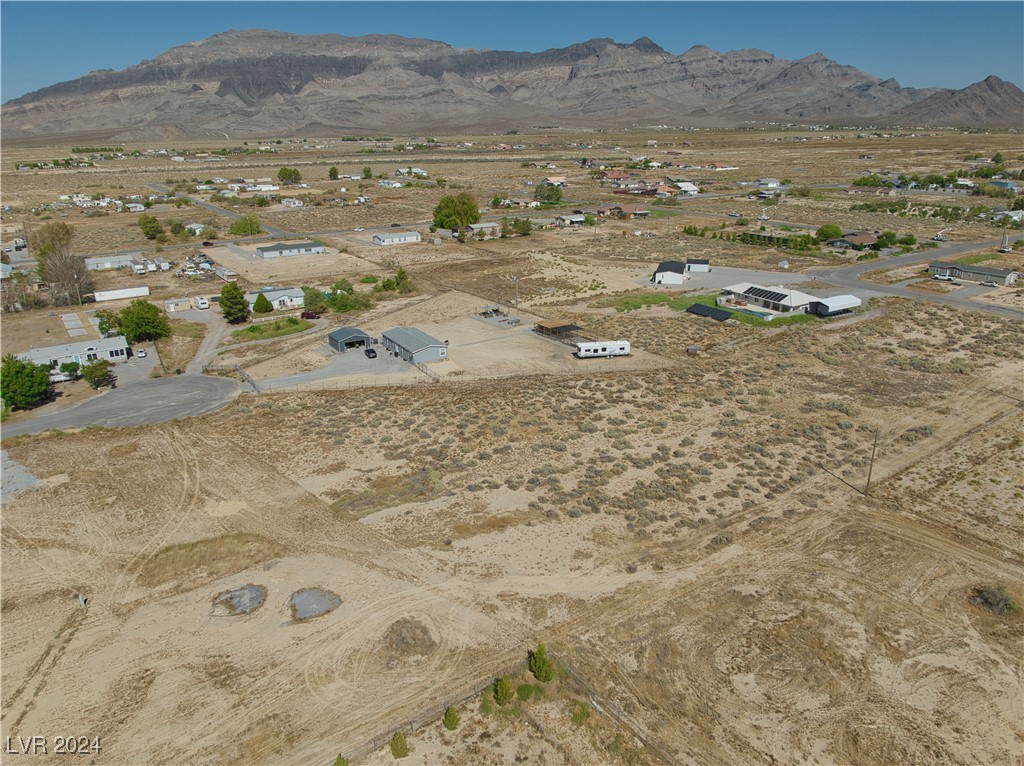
(602,348)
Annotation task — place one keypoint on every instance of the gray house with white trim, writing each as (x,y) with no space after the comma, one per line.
(112,349)
(414,345)
(281,250)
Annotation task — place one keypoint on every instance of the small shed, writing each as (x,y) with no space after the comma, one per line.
(698,264)
(414,345)
(345,338)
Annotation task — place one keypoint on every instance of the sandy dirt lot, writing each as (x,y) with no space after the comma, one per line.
(688,537)
(694,536)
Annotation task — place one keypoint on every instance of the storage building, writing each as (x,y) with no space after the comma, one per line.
(396,237)
(281,250)
(414,345)
(345,338)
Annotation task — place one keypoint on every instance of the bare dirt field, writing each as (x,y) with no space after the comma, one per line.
(782,549)
(687,537)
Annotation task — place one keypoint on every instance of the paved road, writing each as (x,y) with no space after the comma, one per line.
(850,278)
(143,403)
(163,189)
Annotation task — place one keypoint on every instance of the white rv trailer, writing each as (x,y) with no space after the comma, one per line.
(602,348)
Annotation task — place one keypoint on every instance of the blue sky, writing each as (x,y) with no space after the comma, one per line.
(920,44)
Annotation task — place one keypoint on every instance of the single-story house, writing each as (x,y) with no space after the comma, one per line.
(768,183)
(418,172)
(488,229)
(135,207)
(281,250)
(575,219)
(1004,184)
(973,273)
(854,240)
(779,299)
(112,349)
(414,345)
(687,188)
(555,181)
(292,202)
(614,175)
(228,275)
(104,262)
(281,298)
(720,166)
(1013,215)
(195,228)
(345,338)
(396,237)
(387,183)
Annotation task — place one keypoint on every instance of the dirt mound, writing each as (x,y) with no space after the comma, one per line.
(408,636)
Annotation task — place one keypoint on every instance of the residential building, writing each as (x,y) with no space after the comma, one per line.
(283,250)
(973,273)
(112,349)
(292,202)
(396,237)
(854,241)
(280,298)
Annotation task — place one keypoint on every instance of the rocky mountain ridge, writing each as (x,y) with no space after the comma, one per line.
(259,82)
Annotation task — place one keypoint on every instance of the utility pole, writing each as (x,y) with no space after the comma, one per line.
(517,292)
(871,465)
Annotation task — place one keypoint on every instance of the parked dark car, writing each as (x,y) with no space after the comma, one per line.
(396,225)
(370,353)
(207,243)
(310,315)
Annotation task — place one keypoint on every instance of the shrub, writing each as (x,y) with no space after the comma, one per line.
(994,598)
(399,747)
(524,691)
(341,761)
(581,713)
(451,719)
(503,690)
(262,305)
(540,664)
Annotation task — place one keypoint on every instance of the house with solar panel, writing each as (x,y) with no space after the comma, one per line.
(770,302)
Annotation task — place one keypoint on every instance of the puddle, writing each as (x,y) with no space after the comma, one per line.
(308,603)
(244,600)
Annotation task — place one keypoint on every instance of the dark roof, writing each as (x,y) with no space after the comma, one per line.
(702,261)
(766,295)
(943,265)
(346,333)
(558,329)
(709,311)
(280,246)
(987,271)
(676,266)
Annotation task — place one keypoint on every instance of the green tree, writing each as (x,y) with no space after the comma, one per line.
(289,175)
(142,320)
(997,158)
(64,272)
(260,201)
(451,719)
(457,210)
(506,228)
(399,747)
(522,227)
(548,195)
(503,691)
(828,232)
(496,200)
(247,225)
(98,373)
(341,761)
(108,320)
(885,239)
(332,173)
(314,300)
(208,232)
(151,227)
(367,172)
(262,305)
(71,368)
(233,304)
(23,384)
(540,664)
(589,220)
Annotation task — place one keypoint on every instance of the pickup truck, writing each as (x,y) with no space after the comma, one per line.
(944,278)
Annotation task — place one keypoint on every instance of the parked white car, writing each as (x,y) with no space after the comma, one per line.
(141,353)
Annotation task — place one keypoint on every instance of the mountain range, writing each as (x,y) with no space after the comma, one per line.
(260,82)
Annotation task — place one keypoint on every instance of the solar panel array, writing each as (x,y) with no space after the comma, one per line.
(767,295)
(709,311)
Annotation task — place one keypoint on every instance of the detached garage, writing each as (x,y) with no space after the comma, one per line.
(414,345)
(836,305)
(345,338)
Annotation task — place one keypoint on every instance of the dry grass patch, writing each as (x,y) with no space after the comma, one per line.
(202,561)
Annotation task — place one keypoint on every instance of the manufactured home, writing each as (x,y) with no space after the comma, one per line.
(602,348)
